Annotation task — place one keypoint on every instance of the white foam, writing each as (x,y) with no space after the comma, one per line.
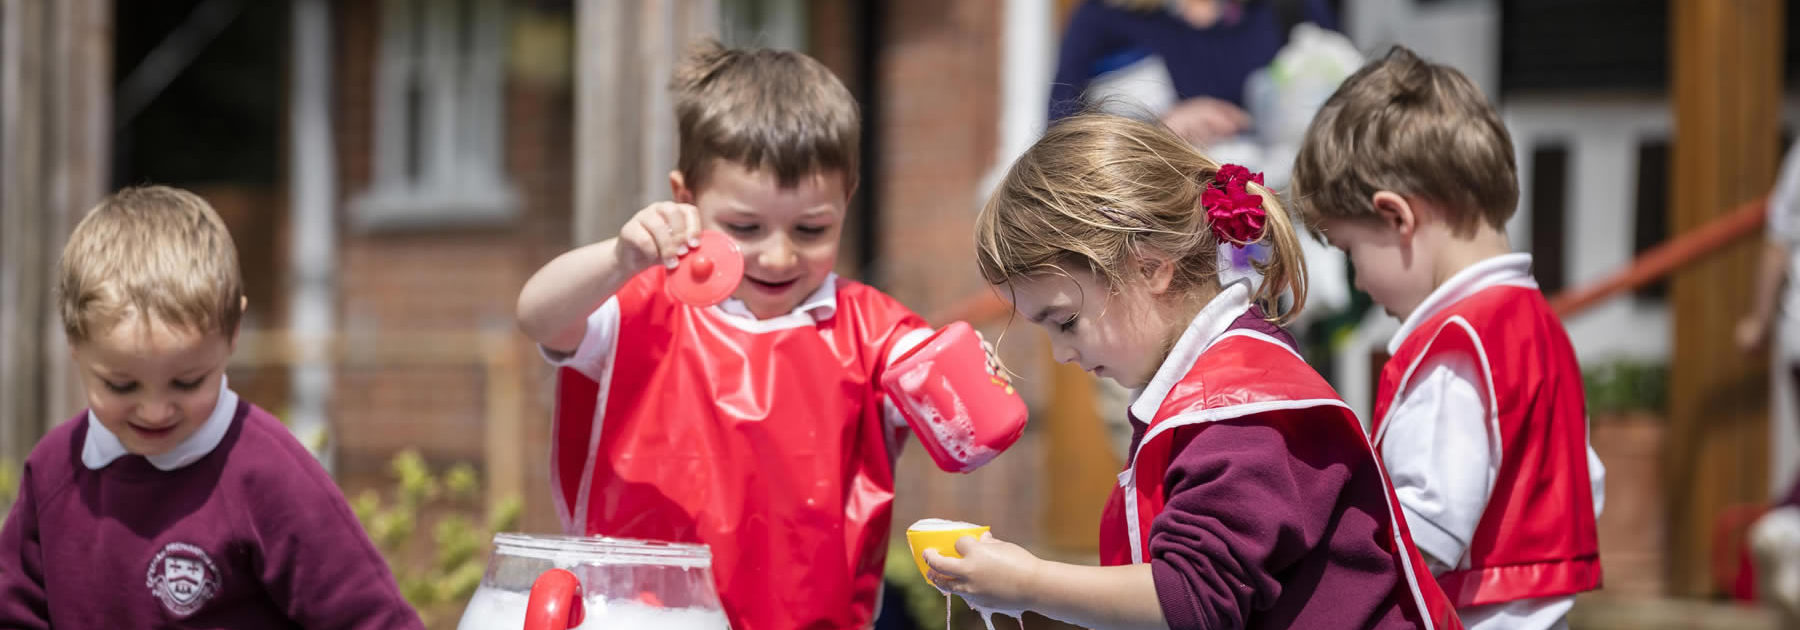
(958,434)
(987,614)
(954,432)
(910,380)
(493,609)
(938,525)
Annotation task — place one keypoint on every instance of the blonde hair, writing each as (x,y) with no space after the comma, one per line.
(1102,192)
(1415,128)
(150,252)
(759,108)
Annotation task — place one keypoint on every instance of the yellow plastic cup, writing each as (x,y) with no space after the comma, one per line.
(939,534)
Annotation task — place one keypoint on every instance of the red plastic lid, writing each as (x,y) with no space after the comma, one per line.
(707,274)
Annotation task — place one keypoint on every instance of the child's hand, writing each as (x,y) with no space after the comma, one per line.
(662,231)
(1751,331)
(1203,120)
(991,573)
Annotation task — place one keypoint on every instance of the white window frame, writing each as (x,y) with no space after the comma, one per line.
(454,171)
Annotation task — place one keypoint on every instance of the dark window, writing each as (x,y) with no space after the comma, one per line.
(1549,197)
(214,119)
(1584,44)
(1550,45)
(1652,208)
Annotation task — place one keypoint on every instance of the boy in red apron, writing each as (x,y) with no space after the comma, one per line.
(757,426)
(1479,416)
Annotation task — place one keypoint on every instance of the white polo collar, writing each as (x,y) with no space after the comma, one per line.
(102,447)
(1506,269)
(1212,320)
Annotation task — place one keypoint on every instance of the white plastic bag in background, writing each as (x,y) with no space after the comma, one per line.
(1282,99)
(1283,96)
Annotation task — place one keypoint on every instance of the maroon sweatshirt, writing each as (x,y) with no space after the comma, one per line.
(1271,525)
(252,535)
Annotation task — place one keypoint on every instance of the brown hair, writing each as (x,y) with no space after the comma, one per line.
(761,108)
(150,252)
(1413,127)
(1099,192)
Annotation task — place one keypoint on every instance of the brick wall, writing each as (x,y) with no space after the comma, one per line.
(449,280)
(940,84)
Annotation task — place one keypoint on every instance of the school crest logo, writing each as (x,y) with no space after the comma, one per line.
(183,577)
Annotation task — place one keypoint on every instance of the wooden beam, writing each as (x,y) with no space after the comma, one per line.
(1727,82)
(625,129)
(82,167)
(24,299)
(55,131)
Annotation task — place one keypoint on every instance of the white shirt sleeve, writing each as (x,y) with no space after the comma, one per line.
(1440,457)
(1784,200)
(597,344)
(903,345)
(1596,479)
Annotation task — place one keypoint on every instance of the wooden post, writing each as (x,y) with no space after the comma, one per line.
(1080,469)
(312,222)
(1726,83)
(505,456)
(625,129)
(55,131)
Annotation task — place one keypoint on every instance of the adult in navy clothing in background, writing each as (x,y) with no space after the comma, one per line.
(1209,47)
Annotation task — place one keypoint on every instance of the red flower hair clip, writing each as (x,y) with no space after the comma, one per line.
(1235,214)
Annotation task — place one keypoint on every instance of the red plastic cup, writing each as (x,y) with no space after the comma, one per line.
(963,414)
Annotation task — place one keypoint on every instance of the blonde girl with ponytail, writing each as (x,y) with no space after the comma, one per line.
(1251,498)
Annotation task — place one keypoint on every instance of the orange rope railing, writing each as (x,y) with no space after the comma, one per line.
(1664,259)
